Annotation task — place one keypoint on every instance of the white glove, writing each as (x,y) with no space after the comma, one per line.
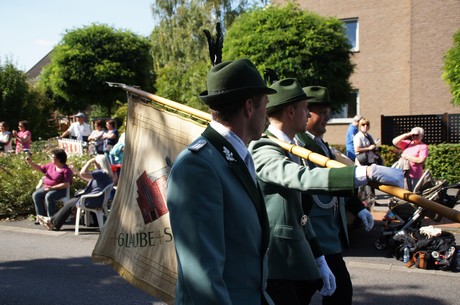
(328,278)
(387,175)
(367,219)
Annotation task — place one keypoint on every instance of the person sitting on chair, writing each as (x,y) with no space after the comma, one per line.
(98,181)
(58,177)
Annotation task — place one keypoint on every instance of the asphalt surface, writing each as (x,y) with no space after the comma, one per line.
(47,267)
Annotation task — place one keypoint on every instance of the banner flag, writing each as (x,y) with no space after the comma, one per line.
(71,146)
(137,239)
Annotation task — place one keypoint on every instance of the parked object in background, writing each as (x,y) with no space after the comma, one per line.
(403,215)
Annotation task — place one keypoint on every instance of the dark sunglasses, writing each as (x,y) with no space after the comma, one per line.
(365,124)
(416,135)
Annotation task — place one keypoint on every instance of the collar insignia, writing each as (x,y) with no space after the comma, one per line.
(229,155)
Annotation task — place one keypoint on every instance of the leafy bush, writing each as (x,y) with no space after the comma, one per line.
(443,162)
(18,179)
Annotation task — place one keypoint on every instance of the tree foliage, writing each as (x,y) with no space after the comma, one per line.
(87,58)
(295,43)
(19,101)
(179,47)
(451,73)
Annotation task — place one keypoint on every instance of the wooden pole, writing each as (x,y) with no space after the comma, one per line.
(321,160)
(306,154)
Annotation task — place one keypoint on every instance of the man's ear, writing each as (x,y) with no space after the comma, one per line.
(289,111)
(249,107)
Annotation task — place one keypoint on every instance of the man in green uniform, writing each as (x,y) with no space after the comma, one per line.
(297,267)
(218,215)
(328,213)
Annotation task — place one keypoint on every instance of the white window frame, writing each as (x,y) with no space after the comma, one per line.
(345,110)
(349,21)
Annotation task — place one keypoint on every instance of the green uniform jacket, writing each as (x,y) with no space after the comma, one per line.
(220,226)
(282,181)
(330,224)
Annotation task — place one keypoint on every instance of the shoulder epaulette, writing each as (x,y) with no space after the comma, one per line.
(197,145)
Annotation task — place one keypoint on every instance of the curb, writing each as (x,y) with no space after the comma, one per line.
(400,268)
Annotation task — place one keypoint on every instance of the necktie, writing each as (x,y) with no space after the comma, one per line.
(250,164)
(295,158)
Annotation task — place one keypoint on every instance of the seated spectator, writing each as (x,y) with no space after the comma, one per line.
(98,180)
(96,142)
(5,138)
(58,177)
(23,137)
(78,130)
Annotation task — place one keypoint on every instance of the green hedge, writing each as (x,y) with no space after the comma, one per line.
(18,179)
(443,160)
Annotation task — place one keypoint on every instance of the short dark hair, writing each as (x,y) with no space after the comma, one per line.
(99,123)
(4,124)
(112,123)
(60,154)
(25,124)
(224,113)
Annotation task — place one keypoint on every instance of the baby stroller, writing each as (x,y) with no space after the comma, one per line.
(404,216)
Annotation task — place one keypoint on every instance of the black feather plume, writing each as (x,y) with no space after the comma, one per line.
(270,76)
(215,45)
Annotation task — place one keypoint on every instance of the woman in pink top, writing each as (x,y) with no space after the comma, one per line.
(58,177)
(23,137)
(415,151)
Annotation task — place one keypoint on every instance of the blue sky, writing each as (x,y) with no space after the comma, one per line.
(29,29)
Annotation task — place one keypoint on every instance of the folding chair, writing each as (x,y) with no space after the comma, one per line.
(100,212)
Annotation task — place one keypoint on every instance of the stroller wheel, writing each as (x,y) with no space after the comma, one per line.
(381,243)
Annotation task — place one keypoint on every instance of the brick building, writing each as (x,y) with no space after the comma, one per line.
(398,51)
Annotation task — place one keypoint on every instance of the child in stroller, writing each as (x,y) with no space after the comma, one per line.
(403,216)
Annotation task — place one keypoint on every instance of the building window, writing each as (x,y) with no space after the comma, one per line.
(348,111)
(352,30)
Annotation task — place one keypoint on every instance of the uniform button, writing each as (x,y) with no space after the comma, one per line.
(303,220)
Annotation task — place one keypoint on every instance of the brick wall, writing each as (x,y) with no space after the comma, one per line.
(401,47)
(433,24)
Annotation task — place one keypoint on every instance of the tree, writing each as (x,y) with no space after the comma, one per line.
(13,93)
(295,43)
(87,58)
(451,69)
(19,101)
(179,47)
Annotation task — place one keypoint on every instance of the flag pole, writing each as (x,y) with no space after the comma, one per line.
(304,153)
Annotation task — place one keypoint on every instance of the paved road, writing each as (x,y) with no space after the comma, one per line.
(46,267)
(55,268)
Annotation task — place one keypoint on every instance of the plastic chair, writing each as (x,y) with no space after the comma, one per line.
(63,199)
(100,212)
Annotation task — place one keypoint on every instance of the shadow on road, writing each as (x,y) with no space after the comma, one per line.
(66,281)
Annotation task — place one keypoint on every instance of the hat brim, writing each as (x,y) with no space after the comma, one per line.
(223,97)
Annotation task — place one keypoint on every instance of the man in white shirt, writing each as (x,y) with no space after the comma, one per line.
(78,130)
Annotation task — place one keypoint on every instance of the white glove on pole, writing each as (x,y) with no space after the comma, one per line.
(328,278)
(366,218)
(386,175)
